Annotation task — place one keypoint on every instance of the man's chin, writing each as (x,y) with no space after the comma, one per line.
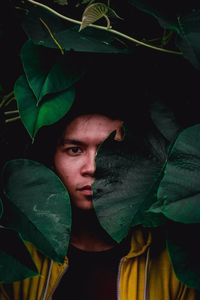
(84,204)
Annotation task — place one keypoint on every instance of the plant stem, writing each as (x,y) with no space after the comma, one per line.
(9,101)
(12,119)
(6,99)
(104,28)
(52,36)
(6,113)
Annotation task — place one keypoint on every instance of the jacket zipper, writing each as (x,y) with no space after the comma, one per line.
(146,297)
(57,281)
(146,273)
(118,276)
(47,282)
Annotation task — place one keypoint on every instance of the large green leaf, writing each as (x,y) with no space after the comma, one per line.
(164,119)
(15,260)
(46,112)
(44,76)
(88,40)
(1,208)
(184,252)
(183,20)
(68,35)
(126,180)
(188,39)
(179,190)
(164,13)
(39,205)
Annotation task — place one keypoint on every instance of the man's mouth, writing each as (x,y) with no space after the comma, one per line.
(86,190)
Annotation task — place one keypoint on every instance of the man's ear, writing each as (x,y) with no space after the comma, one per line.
(119,136)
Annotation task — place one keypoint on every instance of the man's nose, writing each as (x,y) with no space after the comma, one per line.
(89,165)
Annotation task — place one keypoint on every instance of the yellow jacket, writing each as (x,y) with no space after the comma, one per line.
(143,275)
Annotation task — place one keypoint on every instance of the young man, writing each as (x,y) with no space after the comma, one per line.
(96,267)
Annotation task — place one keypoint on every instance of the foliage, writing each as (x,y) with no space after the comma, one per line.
(31,195)
(45,93)
(120,208)
(155,192)
(159,188)
(16,258)
(178,193)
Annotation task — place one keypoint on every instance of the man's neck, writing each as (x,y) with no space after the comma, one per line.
(87,233)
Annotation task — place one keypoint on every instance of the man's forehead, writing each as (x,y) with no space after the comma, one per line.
(92,123)
(94,131)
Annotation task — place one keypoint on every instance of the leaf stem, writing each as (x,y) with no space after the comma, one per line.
(6,99)
(11,112)
(52,36)
(104,28)
(12,119)
(9,101)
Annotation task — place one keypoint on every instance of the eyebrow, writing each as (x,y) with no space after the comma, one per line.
(71,141)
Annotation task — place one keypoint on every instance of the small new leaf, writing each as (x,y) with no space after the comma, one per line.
(94,12)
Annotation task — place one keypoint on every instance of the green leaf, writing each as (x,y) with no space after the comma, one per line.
(165,120)
(165,17)
(39,205)
(188,39)
(68,35)
(184,252)
(46,112)
(15,260)
(184,21)
(126,180)
(1,208)
(179,190)
(46,77)
(88,40)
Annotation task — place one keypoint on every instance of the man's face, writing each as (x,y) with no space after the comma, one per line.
(74,159)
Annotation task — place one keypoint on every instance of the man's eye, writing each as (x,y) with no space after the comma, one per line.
(73,150)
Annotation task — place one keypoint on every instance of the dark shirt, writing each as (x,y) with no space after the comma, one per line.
(91,275)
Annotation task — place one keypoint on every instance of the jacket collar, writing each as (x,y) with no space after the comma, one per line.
(141,239)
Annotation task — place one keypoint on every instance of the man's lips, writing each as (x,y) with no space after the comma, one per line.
(86,190)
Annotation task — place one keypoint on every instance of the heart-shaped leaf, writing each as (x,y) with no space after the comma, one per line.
(182,20)
(39,205)
(15,260)
(68,35)
(126,179)
(165,120)
(1,208)
(165,16)
(45,77)
(188,39)
(179,190)
(46,112)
